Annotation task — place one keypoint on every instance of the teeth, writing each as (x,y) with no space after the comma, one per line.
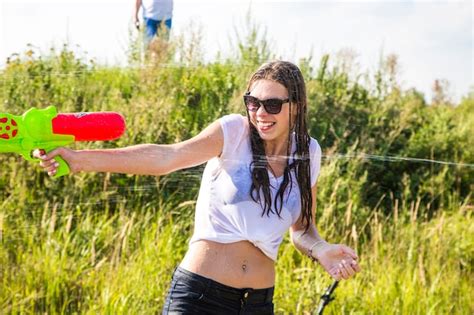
(266,124)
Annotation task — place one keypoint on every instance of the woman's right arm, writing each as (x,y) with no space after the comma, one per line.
(142,159)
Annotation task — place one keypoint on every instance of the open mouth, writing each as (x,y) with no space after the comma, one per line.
(265,125)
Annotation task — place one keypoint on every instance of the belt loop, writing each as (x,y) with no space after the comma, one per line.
(269,295)
(174,270)
(207,286)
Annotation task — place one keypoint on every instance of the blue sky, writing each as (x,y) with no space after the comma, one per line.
(433,39)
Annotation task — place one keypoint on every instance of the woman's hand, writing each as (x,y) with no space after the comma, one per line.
(50,165)
(340,261)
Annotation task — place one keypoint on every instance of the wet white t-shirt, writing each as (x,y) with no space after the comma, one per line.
(225,211)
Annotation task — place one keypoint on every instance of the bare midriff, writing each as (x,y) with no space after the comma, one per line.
(239,264)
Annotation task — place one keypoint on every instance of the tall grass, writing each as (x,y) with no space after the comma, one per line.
(108,243)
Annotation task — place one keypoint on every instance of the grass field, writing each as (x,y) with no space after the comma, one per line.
(108,243)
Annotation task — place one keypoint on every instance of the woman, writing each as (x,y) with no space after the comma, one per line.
(260,181)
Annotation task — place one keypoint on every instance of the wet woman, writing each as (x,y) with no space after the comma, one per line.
(259,182)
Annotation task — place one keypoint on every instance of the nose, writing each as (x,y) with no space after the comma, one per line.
(261,110)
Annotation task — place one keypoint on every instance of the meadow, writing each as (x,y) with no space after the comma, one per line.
(396,184)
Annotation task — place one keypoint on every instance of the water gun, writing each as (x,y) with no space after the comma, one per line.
(46,129)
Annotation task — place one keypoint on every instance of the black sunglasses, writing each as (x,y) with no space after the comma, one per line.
(271,105)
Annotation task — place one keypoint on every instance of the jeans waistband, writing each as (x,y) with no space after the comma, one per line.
(222,291)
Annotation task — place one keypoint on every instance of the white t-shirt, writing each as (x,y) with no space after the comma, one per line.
(226,213)
(159,10)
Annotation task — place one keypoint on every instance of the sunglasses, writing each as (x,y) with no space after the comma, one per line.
(271,105)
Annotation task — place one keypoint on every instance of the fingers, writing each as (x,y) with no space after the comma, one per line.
(349,251)
(352,262)
(42,155)
(344,270)
(355,266)
(345,265)
(48,163)
(349,266)
(336,273)
(340,261)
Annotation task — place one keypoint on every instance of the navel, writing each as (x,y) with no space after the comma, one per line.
(244,266)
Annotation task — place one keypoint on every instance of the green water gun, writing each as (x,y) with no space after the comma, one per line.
(45,129)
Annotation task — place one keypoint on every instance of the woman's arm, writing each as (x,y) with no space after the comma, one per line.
(307,242)
(339,261)
(143,159)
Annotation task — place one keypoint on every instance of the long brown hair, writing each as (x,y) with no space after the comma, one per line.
(290,76)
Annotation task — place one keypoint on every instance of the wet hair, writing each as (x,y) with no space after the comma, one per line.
(290,76)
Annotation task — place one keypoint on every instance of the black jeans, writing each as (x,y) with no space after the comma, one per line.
(191,293)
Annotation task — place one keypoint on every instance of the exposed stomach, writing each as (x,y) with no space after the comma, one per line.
(239,264)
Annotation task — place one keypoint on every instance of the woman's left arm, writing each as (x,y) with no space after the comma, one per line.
(340,261)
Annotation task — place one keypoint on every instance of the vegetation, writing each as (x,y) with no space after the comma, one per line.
(108,243)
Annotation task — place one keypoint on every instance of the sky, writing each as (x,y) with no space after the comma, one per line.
(432,39)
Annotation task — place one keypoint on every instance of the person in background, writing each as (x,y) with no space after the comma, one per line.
(259,182)
(157,17)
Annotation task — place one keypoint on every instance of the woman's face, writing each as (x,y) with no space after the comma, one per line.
(271,127)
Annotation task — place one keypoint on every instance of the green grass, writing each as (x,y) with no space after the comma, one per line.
(107,244)
(89,262)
